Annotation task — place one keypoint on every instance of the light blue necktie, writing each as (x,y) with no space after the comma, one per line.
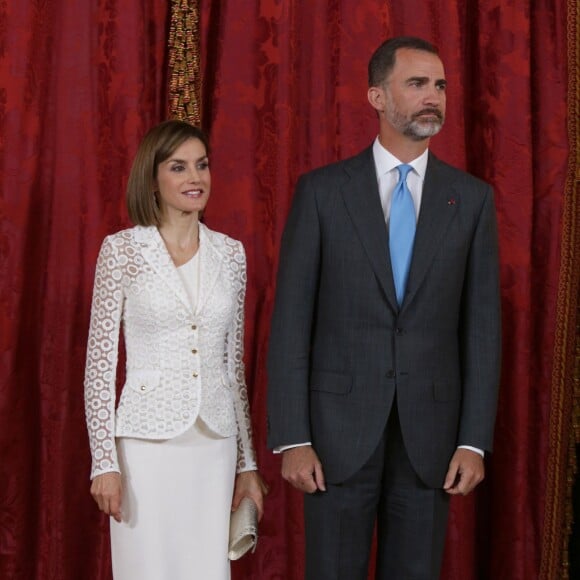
(402,226)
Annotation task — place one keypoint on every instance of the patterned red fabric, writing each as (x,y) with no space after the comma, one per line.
(284,91)
(80,82)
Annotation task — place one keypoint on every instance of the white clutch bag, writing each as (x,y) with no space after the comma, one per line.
(243,529)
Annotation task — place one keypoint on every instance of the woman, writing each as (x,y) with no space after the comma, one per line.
(175,456)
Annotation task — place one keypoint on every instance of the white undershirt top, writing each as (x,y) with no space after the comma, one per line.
(189,274)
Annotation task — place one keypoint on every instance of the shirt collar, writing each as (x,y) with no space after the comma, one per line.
(386,161)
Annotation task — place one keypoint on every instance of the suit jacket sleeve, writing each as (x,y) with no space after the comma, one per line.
(292,322)
(480,333)
(101,364)
(236,373)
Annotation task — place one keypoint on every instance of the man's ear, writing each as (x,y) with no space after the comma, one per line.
(376,97)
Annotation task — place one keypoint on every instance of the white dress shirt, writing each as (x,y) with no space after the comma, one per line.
(388,175)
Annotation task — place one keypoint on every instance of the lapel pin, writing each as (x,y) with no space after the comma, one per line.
(451,201)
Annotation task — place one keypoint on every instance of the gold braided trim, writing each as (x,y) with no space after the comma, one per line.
(565,403)
(184,62)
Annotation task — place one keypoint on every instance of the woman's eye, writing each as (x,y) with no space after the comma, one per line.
(177,168)
(203,166)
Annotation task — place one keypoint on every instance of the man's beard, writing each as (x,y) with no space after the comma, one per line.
(413,127)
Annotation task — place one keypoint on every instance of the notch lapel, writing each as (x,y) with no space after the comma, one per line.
(362,200)
(434,218)
(210,264)
(157,255)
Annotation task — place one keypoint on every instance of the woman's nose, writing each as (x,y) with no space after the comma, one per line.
(193,175)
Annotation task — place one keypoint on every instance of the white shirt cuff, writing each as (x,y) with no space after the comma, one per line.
(480,451)
(282,448)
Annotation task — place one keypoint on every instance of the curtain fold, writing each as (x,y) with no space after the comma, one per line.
(284,91)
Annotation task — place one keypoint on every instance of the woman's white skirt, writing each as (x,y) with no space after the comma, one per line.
(177,495)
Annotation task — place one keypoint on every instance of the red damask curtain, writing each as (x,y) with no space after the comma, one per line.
(79,84)
(283,91)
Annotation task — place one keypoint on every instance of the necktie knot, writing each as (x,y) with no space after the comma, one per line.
(403,171)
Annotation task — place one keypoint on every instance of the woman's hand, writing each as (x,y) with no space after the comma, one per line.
(250,484)
(106,490)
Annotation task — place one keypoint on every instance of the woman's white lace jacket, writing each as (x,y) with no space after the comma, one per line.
(181,363)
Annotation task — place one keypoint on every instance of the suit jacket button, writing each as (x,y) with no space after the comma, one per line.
(194,375)
(194,350)
(390,374)
(193,327)
(143,388)
(399,330)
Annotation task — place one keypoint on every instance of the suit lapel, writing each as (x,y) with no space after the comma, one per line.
(361,197)
(210,264)
(436,214)
(156,254)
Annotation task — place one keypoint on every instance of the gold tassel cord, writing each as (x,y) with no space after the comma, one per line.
(565,404)
(184,62)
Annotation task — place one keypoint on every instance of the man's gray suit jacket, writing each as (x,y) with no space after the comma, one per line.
(341,347)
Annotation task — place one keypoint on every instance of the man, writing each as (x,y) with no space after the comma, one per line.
(385,344)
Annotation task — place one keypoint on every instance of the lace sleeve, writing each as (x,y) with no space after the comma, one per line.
(236,370)
(101,364)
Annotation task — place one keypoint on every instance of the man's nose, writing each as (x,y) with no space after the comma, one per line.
(433,95)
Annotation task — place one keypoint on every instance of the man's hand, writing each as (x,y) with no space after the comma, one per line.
(302,468)
(106,490)
(466,470)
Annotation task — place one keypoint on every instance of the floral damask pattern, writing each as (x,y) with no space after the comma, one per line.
(284,86)
(288,79)
(79,84)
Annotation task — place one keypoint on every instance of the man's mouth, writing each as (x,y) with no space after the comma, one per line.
(430,114)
